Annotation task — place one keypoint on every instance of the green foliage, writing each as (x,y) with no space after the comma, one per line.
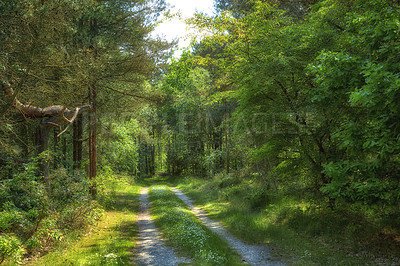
(56,53)
(11,248)
(110,239)
(67,188)
(307,231)
(24,198)
(363,82)
(121,152)
(37,217)
(108,183)
(317,93)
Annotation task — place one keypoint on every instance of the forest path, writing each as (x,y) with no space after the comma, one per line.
(151,249)
(251,254)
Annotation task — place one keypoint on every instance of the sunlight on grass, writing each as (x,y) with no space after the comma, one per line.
(110,242)
(267,225)
(184,231)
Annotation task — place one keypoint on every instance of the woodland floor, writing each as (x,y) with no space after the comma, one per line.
(158,224)
(110,242)
(130,233)
(151,249)
(251,254)
(142,243)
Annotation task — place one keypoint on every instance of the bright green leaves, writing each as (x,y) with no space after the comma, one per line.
(178,77)
(352,181)
(11,249)
(317,95)
(122,152)
(376,27)
(362,84)
(335,73)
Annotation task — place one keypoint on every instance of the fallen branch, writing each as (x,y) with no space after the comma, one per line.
(55,114)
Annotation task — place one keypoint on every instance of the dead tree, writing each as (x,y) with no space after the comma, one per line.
(53,116)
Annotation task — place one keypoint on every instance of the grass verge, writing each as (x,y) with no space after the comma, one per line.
(111,241)
(182,229)
(300,236)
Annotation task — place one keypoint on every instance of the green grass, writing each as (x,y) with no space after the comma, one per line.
(182,229)
(108,243)
(300,236)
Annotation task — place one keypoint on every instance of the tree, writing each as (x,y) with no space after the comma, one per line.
(54,115)
(240,8)
(265,62)
(95,52)
(362,80)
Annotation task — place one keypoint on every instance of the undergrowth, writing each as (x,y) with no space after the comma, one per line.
(301,229)
(37,214)
(182,229)
(111,240)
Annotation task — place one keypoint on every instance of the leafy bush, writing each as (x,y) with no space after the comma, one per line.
(258,198)
(24,191)
(107,183)
(226,180)
(37,214)
(9,218)
(10,248)
(65,188)
(122,151)
(78,215)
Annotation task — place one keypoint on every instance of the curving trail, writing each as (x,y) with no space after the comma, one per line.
(151,249)
(251,254)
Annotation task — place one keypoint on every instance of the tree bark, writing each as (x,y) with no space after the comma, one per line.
(226,116)
(77,143)
(42,143)
(55,114)
(55,148)
(93,140)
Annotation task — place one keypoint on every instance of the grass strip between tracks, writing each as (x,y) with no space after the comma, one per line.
(182,230)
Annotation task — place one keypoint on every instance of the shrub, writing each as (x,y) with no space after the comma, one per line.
(39,215)
(79,215)
(24,191)
(258,198)
(227,180)
(11,248)
(67,188)
(9,218)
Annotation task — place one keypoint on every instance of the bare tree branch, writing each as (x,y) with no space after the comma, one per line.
(56,113)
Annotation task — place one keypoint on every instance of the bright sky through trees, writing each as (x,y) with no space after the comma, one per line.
(175,28)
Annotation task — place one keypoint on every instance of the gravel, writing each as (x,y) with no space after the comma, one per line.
(151,249)
(251,254)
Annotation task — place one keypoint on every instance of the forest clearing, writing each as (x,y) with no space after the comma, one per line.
(274,139)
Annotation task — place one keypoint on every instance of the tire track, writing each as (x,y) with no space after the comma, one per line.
(251,254)
(151,249)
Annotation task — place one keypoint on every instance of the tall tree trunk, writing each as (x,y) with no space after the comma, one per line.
(226,116)
(55,148)
(93,116)
(42,143)
(93,140)
(227,150)
(64,151)
(153,158)
(77,143)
